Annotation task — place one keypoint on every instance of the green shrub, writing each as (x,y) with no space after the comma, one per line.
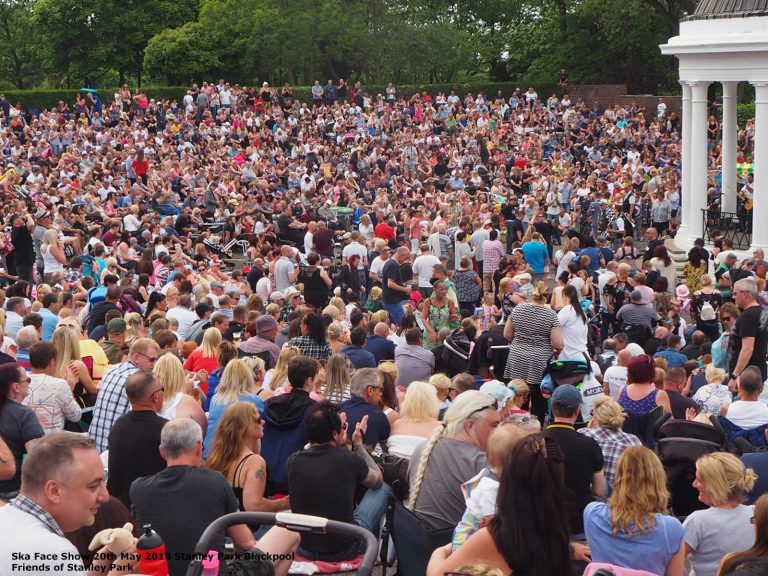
(39,99)
(744,112)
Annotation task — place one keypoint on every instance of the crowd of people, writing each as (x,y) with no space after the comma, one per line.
(464,303)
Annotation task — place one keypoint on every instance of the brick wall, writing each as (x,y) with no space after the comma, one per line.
(610,94)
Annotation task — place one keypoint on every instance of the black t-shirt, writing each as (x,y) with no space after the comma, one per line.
(323,239)
(181,223)
(134,451)
(391,270)
(180,502)
(583,457)
(323,482)
(517,230)
(18,425)
(284,222)
(749,324)
(680,404)
(406,272)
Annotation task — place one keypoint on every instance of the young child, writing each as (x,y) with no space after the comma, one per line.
(480,492)
(373,303)
(489,312)
(416,296)
(524,286)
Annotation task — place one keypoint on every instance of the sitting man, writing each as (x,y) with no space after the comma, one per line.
(748,411)
(284,421)
(672,354)
(134,441)
(182,500)
(366,390)
(379,345)
(359,356)
(413,361)
(324,478)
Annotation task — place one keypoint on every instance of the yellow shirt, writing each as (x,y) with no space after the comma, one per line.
(100,363)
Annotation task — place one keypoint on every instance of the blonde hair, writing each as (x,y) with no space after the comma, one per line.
(133,325)
(380,316)
(480,570)
(375,293)
(280,371)
(335,330)
(420,402)
(255,364)
(465,406)
(624,269)
(609,413)
(500,443)
(339,304)
(539,293)
(50,238)
(232,436)
(388,368)
(639,492)
(333,312)
(273,310)
(520,387)
(705,280)
(714,375)
(440,381)
(66,340)
(211,341)
(726,478)
(236,380)
(170,374)
(337,378)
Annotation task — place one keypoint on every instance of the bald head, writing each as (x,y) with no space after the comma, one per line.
(624,357)
(381,329)
(286,251)
(612,266)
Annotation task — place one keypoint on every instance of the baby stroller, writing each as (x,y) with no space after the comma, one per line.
(574,371)
(679,444)
(293,522)
(456,348)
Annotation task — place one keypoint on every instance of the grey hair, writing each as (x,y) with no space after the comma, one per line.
(363,378)
(747,285)
(180,436)
(26,337)
(526,422)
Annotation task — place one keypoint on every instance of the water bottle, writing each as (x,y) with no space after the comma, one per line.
(211,563)
(152,555)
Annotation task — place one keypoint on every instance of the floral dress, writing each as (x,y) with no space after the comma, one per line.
(439,317)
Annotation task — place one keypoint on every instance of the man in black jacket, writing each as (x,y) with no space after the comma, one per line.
(23,248)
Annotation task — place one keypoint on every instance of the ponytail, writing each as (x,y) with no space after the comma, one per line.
(436,434)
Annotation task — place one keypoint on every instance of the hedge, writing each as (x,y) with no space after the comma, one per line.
(39,99)
(745,112)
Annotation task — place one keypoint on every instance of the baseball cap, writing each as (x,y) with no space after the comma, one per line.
(265,323)
(498,391)
(567,395)
(116,326)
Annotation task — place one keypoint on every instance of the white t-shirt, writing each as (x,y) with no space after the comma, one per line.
(186,318)
(616,378)
(355,248)
(591,390)
(574,333)
(422,266)
(748,414)
(377,266)
(308,242)
(131,223)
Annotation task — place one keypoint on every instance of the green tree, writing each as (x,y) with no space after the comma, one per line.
(182,55)
(19,59)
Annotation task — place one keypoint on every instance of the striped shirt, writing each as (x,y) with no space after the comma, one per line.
(111,403)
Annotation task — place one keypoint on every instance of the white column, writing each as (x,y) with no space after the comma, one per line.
(697,177)
(685,193)
(730,129)
(760,203)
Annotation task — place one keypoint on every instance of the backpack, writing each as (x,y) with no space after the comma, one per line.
(97,294)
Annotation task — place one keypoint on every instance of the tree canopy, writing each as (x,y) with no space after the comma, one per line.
(74,42)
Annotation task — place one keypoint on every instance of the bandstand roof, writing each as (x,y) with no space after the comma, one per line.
(708,9)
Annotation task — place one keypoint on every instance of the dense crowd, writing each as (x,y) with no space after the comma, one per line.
(465,304)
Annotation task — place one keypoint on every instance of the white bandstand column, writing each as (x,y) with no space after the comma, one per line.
(730,129)
(760,203)
(697,177)
(685,194)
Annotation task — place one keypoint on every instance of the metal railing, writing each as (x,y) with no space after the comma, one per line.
(735,226)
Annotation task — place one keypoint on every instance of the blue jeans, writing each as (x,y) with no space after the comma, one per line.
(395,312)
(372,507)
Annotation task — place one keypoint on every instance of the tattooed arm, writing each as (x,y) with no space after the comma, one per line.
(7,461)
(253,479)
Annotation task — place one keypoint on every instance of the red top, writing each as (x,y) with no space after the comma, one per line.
(384,231)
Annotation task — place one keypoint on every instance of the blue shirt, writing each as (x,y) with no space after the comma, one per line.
(216,411)
(651,550)
(378,425)
(50,321)
(674,358)
(381,348)
(359,357)
(594,258)
(758,461)
(536,255)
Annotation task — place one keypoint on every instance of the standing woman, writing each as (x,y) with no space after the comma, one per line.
(664,264)
(177,403)
(468,285)
(723,483)
(564,256)
(573,323)
(54,259)
(316,282)
(205,356)
(349,278)
(437,312)
(534,333)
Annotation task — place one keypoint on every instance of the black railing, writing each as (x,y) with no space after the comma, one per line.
(735,226)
